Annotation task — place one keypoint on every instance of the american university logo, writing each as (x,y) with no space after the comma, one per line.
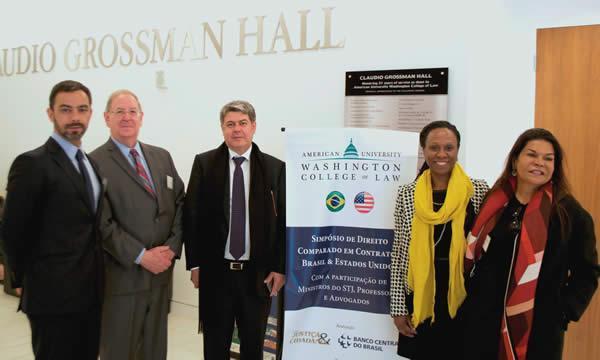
(351,165)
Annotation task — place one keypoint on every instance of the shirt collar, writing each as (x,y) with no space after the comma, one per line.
(67,147)
(125,149)
(245,155)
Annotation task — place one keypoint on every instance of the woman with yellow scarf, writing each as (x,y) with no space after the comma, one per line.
(432,216)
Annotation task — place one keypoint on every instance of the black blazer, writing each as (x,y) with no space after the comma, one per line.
(206,216)
(50,233)
(566,283)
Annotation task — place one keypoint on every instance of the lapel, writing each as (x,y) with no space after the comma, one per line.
(102,181)
(221,171)
(256,201)
(124,163)
(63,161)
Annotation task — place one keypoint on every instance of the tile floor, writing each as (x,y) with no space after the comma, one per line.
(184,342)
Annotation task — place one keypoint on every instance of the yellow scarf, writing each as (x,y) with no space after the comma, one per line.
(421,273)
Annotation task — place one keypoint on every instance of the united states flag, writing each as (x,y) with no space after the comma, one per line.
(364,202)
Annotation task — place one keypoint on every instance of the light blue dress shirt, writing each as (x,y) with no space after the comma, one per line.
(71,151)
(125,150)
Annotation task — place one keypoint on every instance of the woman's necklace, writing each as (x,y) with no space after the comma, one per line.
(441,235)
(439,193)
(443,229)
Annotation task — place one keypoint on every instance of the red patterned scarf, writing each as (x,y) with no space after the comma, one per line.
(520,296)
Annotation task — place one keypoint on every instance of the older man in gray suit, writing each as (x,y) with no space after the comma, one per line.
(141,232)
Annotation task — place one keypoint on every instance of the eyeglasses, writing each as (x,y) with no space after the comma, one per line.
(122,112)
(515,224)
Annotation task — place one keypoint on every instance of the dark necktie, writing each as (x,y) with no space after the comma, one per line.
(86,179)
(139,168)
(237,238)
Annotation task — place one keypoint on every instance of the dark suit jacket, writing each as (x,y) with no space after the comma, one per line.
(566,283)
(133,219)
(50,233)
(206,218)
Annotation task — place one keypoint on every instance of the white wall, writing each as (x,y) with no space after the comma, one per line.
(489,47)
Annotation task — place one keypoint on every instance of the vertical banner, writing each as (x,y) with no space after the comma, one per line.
(341,189)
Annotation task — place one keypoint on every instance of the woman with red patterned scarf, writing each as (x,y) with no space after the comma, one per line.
(531,257)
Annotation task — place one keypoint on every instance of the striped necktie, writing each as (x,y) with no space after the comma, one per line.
(141,171)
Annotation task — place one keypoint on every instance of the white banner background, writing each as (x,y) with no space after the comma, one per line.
(319,162)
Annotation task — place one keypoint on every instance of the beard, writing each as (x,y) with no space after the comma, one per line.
(71,132)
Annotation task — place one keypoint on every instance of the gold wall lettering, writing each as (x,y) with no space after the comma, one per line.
(152,46)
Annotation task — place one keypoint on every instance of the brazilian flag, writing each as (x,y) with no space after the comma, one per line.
(335,201)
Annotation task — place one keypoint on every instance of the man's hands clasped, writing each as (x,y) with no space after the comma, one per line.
(158,259)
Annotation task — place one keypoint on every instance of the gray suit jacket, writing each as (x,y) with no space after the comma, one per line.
(134,219)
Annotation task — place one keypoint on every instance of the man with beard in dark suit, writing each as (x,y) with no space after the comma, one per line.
(234,234)
(50,233)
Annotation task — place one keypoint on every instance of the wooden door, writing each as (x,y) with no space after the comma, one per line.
(567,103)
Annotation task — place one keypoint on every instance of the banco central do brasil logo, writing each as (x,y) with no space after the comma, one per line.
(335,201)
(345,341)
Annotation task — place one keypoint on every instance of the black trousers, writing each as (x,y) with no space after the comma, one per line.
(237,304)
(66,336)
(442,338)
